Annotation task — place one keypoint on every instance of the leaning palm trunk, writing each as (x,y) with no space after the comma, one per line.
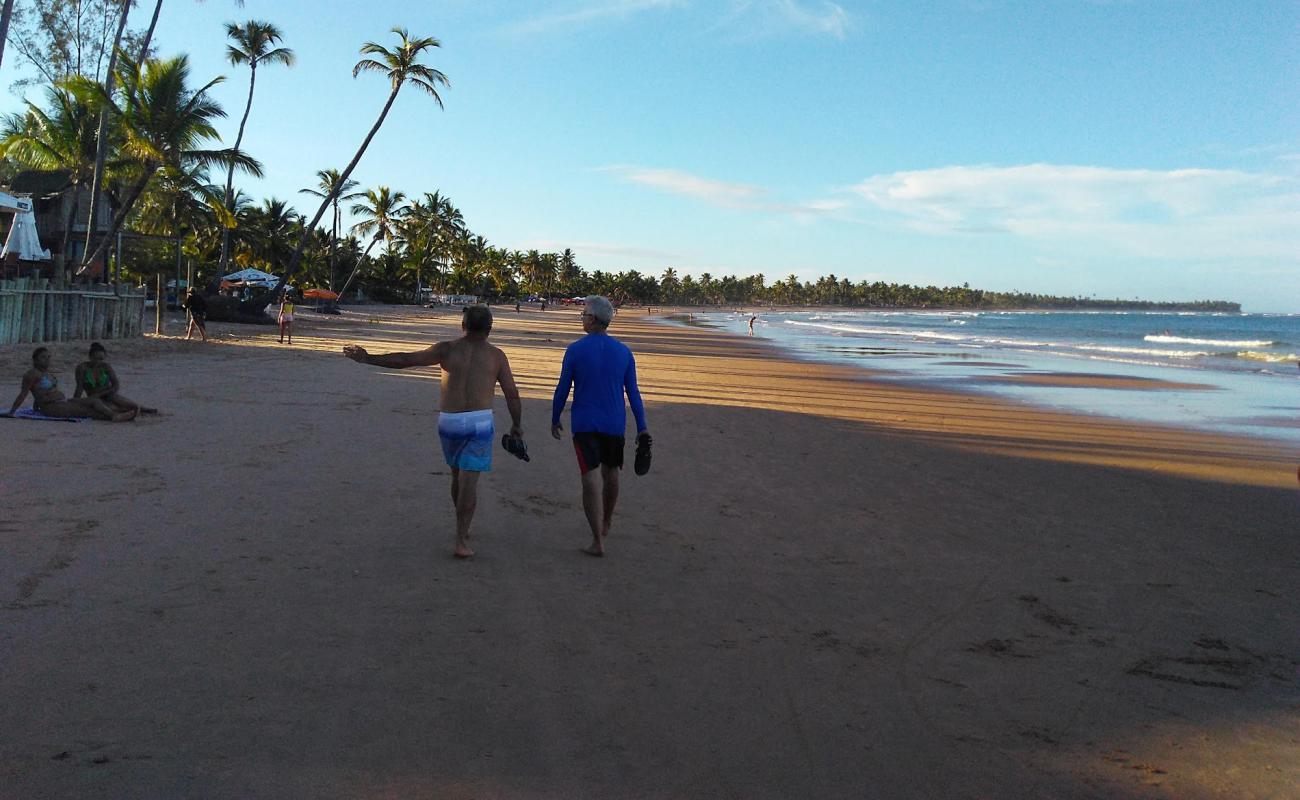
(296,258)
(230,175)
(148,35)
(67,229)
(5,16)
(120,217)
(101,146)
(334,237)
(355,269)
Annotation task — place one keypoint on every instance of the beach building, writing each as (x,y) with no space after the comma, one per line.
(21,242)
(59,210)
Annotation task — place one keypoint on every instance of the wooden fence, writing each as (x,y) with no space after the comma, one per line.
(31,310)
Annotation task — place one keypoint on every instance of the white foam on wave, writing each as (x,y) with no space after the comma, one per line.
(1276,358)
(1143,351)
(920,334)
(1134,361)
(1163,339)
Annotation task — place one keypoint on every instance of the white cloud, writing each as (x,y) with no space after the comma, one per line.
(591,12)
(718,193)
(750,17)
(1178,214)
(782,16)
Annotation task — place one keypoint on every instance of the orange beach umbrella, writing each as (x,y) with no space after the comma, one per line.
(321,294)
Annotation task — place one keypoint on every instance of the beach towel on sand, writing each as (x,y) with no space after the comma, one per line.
(31,413)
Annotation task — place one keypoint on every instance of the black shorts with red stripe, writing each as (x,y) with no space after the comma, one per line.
(598,449)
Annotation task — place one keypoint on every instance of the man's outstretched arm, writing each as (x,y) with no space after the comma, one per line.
(429,357)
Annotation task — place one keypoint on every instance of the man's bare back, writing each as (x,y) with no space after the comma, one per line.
(471,369)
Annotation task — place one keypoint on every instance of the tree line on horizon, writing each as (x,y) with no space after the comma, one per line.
(118,118)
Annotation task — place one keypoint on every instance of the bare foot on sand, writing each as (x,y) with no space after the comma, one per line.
(126,416)
(463,551)
(594,550)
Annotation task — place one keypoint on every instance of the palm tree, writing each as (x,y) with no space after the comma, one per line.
(252,43)
(5,15)
(449,228)
(180,204)
(669,285)
(273,225)
(334,190)
(101,147)
(435,225)
(402,66)
(61,139)
(550,267)
(418,232)
(531,268)
(499,271)
(153,23)
(162,124)
(380,212)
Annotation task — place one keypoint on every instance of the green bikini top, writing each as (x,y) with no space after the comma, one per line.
(96,379)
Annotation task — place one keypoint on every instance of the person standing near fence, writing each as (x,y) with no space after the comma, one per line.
(197,309)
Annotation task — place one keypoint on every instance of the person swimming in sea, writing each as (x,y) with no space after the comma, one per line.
(48,400)
(97,380)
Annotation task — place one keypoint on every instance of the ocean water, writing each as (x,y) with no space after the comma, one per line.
(1244,365)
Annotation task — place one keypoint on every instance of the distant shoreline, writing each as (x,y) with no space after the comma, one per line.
(671,309)
(1229,401)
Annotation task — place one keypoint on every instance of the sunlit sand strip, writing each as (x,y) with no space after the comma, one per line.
(693,366)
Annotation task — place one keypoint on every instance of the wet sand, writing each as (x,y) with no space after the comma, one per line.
(827,586)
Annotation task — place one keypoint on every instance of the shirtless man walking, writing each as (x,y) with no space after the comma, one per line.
(471,368)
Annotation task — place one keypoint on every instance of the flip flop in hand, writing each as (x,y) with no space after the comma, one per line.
(642,464)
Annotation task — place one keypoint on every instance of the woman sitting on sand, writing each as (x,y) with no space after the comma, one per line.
(48,400)
(97,380)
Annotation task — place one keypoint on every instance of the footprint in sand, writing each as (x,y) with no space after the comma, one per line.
(537,505)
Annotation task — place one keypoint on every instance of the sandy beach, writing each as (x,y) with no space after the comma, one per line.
(827,586)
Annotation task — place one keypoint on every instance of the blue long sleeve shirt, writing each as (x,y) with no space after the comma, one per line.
(600,369)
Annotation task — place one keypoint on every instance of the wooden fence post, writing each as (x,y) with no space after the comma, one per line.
(158,307)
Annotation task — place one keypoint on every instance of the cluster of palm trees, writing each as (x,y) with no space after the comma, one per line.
(145,140)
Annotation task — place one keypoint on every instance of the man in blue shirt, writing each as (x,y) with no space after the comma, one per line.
(600,370)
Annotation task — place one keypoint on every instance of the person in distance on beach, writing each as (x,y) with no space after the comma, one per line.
(285,318)
(471,368)
(751,324)
(600,370)
(197,308)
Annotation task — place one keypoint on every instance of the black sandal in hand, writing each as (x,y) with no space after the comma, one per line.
(642,464)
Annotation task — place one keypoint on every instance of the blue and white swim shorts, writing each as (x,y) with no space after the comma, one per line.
(467,439)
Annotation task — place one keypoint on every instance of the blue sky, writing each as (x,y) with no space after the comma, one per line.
(1131,149)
